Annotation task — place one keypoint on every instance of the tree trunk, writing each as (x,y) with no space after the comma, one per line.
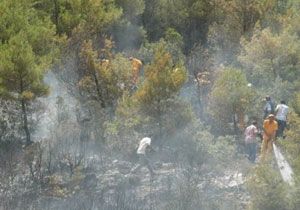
(25,122)
(102,102)
(56,14)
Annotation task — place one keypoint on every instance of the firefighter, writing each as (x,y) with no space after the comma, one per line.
(270,127)
(136,68)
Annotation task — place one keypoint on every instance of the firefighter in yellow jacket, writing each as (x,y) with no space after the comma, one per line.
(270,127)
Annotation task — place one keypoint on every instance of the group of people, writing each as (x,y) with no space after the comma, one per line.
(274,124)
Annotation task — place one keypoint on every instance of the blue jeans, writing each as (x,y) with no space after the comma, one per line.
(281,127)
(251,151)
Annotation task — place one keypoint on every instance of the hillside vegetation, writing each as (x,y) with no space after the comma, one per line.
(83,81)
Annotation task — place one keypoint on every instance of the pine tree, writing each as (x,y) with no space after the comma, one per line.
(26,50)
(270,55)
(104,80)
(230,97)
(90,16)
(163,81)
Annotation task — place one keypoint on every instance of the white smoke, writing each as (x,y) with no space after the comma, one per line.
(49,117)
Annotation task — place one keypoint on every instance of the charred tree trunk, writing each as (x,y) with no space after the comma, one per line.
(24,111)
(102,102)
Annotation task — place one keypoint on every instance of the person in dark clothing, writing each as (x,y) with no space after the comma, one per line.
(269,107)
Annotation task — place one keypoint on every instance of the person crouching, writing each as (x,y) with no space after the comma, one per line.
(144,146)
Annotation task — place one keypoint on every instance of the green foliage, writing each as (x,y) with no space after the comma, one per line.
(154,107)
(163,80)
(27,49)
(230,96)
(218,155)
(296,103)
(21,75)
(268,56)
(232,20)
(236,19)
(131,8)
(174,44)
(184,16)
(172,36)
(267,190)
(128,36)
(292,143)
(223,42)
(160,15)
(91,16)
(147,50)
(104,80)
(127,124)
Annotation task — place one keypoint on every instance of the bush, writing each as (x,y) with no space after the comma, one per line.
(267,190)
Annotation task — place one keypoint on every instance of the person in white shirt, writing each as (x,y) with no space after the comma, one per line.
(281,117)
(144,146)
(251,133)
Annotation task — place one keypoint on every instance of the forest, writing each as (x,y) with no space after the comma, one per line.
(82,82)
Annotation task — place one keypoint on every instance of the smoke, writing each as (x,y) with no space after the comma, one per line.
(58,94)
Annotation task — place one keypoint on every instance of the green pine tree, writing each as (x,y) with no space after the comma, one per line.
(27,48)
(157,96)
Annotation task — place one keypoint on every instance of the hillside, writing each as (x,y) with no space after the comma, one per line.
(83,82)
